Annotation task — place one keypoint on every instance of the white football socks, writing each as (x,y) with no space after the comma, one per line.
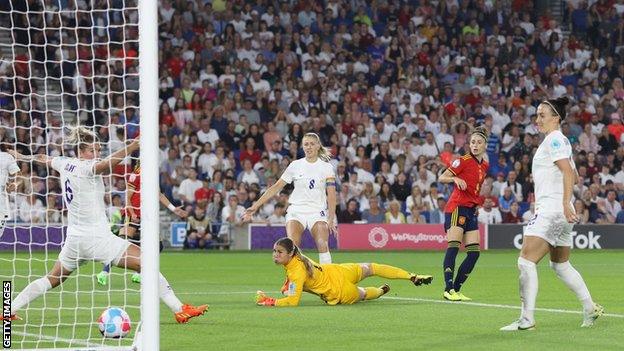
(325,257)
(167,294)
(528,288)
(30,292)
(573,280)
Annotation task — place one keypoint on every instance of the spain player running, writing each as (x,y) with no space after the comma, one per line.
(89,235)
(312,204)
(467,173)
(131,219)
(549,232)
(333,283)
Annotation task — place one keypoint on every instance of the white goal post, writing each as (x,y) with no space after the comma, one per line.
(63,64)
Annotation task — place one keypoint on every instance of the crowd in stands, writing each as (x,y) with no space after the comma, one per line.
(392,87)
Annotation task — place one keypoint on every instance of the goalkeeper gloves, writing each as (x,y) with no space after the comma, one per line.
(263,300)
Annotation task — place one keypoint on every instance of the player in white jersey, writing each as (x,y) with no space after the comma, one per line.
(554,174)
(8,175)
(312,203)
(88,232)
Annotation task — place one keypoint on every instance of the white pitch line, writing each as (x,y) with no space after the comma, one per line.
(223,293)
(477,304)
(54,338)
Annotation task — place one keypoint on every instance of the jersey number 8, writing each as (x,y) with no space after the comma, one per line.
(311,186)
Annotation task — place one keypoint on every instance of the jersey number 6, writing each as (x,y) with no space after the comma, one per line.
(69,193)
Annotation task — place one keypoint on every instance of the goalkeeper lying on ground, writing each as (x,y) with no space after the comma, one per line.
(333,283)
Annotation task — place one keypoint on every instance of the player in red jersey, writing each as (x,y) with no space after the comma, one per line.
(131,218)
(467,173)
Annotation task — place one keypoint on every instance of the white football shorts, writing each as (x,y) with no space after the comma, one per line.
(552,227)
(102,246)
(306,216)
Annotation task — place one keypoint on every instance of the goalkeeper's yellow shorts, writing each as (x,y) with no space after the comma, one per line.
(351,275)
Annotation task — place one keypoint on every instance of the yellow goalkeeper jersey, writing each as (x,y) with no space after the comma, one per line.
(333,283)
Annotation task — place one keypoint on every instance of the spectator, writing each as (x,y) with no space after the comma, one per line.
(400,188)
(248,175)
(198,230)
(415,217)
(204,194)
(231,216)
(188,187)
(581,211)
(588,140)
(612,206)
(31,209)
(394,214)
(489,214)
(514,185)
(374,214)
(250,152)
(415,199)
(385,195)
(278,216)
(207,134)
(513,216)
(351,213)
(505,200)
(437,216)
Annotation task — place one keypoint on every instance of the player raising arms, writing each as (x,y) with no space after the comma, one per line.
(313,200)
(131,217)
(88,232)
(468,173)
(333,283)
(554,174)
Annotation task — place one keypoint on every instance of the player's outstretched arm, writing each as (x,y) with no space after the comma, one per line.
(177,210)
(268,194)
(41,158)
(331,206)
(106,165)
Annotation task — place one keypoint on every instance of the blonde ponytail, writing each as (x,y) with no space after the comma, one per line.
(80,137)
(324,153)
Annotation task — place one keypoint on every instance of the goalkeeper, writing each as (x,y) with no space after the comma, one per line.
(131,219)
(333,283)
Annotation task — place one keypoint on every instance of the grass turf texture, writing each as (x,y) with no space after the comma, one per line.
(407,318)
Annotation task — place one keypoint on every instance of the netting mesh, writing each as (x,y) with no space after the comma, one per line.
(64,63)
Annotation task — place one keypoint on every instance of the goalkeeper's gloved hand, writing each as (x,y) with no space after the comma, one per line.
(263,300)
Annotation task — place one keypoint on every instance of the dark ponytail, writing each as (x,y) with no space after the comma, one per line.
(558,106)
(294,251)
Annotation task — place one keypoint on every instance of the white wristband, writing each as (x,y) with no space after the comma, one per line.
(171,207)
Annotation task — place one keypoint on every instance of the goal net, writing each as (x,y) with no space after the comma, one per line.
(63,64)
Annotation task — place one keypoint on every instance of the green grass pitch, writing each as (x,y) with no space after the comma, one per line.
(408,318)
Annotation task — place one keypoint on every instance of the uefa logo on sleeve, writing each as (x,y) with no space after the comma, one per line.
(378,237)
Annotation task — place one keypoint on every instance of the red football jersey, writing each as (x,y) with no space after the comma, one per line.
(473,173)
(134,182)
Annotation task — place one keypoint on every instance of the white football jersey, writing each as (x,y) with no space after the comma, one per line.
(547,177)
(83,194)
(309,182)
(8,167)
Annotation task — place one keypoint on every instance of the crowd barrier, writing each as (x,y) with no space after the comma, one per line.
(371,237)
